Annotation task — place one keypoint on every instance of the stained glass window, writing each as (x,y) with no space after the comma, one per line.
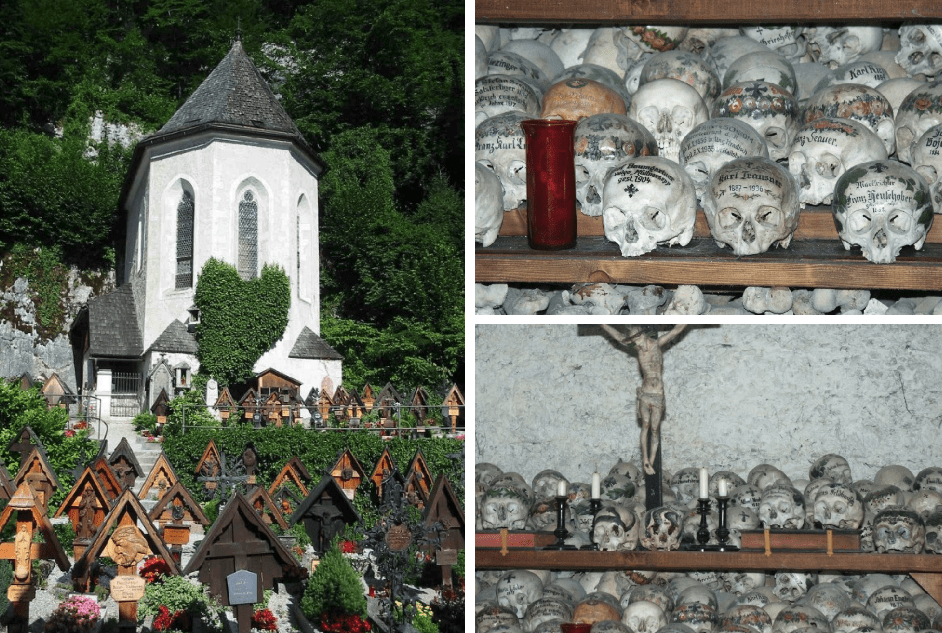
(184,277)
(248,236)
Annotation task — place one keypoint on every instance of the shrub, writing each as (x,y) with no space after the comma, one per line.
(334,588)
(176,593)
(145,422)
(77,614)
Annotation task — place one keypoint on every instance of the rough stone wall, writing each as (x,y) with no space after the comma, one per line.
(563,397)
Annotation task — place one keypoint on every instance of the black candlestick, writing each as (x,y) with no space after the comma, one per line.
(561,532)
(595,505)
(703,532)
(722,532)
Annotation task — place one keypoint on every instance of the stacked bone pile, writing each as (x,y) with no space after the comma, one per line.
(753,123)
(896,512)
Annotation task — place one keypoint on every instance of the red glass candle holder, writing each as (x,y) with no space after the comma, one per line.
(551,183)
(575,627)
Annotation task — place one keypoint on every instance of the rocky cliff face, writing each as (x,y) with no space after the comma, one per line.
(39,344)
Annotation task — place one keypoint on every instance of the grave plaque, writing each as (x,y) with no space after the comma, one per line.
(176,534)
(127,588)
(243,587)
(399,538)
(446,557)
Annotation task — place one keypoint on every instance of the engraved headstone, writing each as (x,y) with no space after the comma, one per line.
(243,587)
(161,378)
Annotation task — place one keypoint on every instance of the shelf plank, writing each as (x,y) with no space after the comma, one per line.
(814,223)
(805,264)
(704,12)
(717,561)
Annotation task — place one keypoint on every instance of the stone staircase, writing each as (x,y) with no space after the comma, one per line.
(145,452)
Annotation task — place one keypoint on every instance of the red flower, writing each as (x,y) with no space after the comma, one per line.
(264,620)
(348,547)
(69,433)
(344,624)
(165,620)
(154,569)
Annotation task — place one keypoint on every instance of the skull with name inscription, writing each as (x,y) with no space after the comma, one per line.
(768,108)
(499,145)
(714,143)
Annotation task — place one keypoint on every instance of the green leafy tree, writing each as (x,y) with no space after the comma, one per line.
(334,588)
(239,320)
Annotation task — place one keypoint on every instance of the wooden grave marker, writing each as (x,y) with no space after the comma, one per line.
(444,509)
(414,490)
(36,470)
(452,405)
(368,397)
(295,472)
(160,479)
(208,467)
(107,477)
(6,484)
(420,473)
(86,505)
(325,511)
(161,408)
(419,405)
(29,513)
(225,404)
(324,404)
(266,507)
(381,470)
(286,500)
(24,443)
(120,539)
(249,403)
(125,465)
(57,393)
(348,472)
(175,513)
(240,540)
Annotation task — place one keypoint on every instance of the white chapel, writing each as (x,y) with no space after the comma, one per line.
(229,176)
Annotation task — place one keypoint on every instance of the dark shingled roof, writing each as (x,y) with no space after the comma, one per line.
(310,345)
(175,338)
(112,325)
(235,94)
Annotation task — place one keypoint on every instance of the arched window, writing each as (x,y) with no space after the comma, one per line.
(248,236)
(184,277)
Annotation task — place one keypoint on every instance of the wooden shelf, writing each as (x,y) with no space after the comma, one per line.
(704,12)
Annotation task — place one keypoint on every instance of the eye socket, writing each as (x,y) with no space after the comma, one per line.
(829,166)
(928,172)
(582,174)
(917,37)
(899,222)
(487,164)
(491,507)
(654,219)
(859,222)
(769,216)
(904,533)
(517,172)
(729,218)
(840,506)
(882,533)
(681,116)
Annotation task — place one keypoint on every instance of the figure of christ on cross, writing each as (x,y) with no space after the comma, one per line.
(650,402)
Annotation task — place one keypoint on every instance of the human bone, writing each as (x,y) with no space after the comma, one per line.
(596,607)
(506,63)
(853,616)
(700,617)
(828,598)
(862,73)
(740,518)
(928,605)
(863,487)
(700,592)
(833,466)
(839,45)
(733,480)
(896,475)
(687,299)
(926,158)
(933,524)
(486,473)
(540,54)
(487,297)
(920,49)
(546,482)
(786,40)
(605,76)
(815,485)
(542,515)
(639,40)
(768,108)
(822,152)
(609,626)
(489,34)
(919,111)
(488,205)
(899,529)
(799,616)
(517,588)
(597,298)
(686,485)
(746,496)
(616,529)
(499,144)
(883,496)
(924,502)
(569,45)
(676,627)
(632,78)
(629,470)
(905,619)
(662,529)
(725,51)
(497,94)
(544,609)
(504,506)
(577,98)
(604,48)
(929,478)
(808,75)
(748,614)
(886,60)
(656,594)
(492,615)
(686,67)
(601,142)
(480,58)
(643,617)
(516,481)
(669,109)
(858,103)
(782,506)
(882,206)
(765,67)
(836,506)
(699,39)
(888,597)
(648,201)
(758,597)
(752,205)
(714,143)
(897,89)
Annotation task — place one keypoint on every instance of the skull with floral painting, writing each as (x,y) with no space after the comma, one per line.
(856,102)
(768,108)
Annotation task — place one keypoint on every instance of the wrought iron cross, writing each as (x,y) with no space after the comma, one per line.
(229,476)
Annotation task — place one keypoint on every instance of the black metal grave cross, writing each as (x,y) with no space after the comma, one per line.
(230,475)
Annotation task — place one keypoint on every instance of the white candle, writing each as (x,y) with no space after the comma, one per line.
(704,491)
(561,488)
(721,492)
(596,485)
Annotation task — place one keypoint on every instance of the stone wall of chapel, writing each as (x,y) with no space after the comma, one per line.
(563,397)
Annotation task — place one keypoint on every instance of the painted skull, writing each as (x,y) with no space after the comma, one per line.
(896,475)
(791,585)
(714,143)
(833,466)
(497,94)
(488,205)
(746,496)
(852,617)
(601,142)
(836,506)
(648,201)
(768,108)
(702,618)
(617,489)
(663,528)
(650,593)
(838,45)
(925,502)
(509,63)
(643,617)
(545,483)
(926,158)
(636,41)
(605,76)
(577,98)
(929,479)
(542,515)
(492,615)
(686,486)
(518,588)
(898,529)
(615,529)
(919,111)
(822,152)
(856,102)
(782,506)
(933,524)
(504,506)
(882,206)
(669,109)
(726,50)
(828,598)
(800,616)
(766,67)
(888,597)
(545,609)
(686,67)
(752,205)
(748,614)
(786,40)
(741,518)
(499,145)
(920,51)
(905,619)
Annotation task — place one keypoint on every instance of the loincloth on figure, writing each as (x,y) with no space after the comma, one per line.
(650,399)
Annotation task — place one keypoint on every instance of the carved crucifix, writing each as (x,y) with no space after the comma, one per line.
(649,347)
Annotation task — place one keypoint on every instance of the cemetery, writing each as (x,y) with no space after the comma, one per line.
(245,515)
